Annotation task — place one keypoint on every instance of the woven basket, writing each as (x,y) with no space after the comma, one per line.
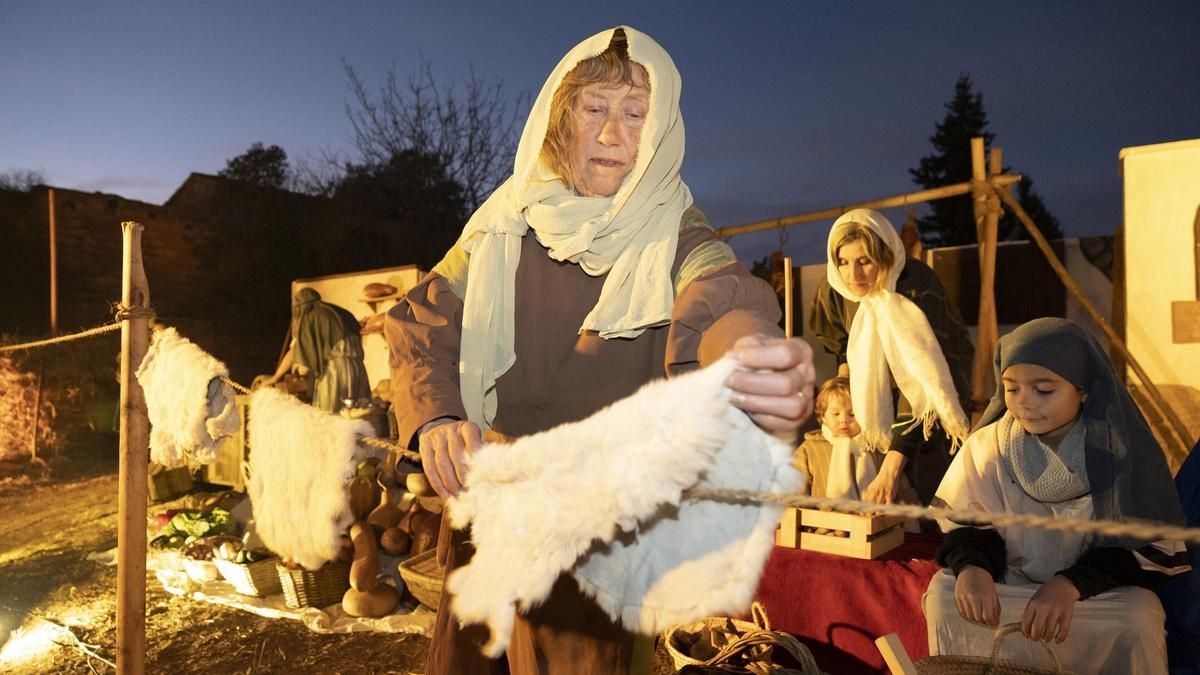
(423,577)
(258,578)
(320,588)
(993,665)
(200,571)
(678,645)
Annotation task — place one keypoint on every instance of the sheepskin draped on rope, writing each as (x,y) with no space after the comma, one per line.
(614,484)
(303,459)
(190,407)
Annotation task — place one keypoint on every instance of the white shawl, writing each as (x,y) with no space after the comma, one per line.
(630,236)
(891,334)
(851,466)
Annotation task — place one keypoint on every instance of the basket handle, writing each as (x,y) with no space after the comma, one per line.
(1010,628)
(758,614)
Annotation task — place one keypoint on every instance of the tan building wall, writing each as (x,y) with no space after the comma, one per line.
(1162,199)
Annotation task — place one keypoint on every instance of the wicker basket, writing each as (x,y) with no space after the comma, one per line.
(678,645)
(423,577)
(200,571)
(320,588)
(258,578)
(993,665)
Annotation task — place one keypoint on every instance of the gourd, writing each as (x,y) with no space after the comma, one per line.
(367,595)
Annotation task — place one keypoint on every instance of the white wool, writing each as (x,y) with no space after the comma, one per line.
(603,497)
(301,460)
(190,409)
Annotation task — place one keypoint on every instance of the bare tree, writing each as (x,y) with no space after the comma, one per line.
(472,130)
(21,180)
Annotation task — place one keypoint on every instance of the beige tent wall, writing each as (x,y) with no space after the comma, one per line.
(1162,195)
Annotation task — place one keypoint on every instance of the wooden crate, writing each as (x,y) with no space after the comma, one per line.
(868,536)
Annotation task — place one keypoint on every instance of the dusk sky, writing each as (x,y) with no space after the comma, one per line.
(789,106)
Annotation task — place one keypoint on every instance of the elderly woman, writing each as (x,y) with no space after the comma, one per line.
(904,347)
(326,343)
(585,275)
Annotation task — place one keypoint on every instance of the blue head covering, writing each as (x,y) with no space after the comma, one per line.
(1126,467)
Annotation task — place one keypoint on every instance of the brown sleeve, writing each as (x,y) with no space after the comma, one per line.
(713,311)
(423,333)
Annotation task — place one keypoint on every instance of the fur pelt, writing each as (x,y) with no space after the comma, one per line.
(602,497)
(301,460)
(190,409)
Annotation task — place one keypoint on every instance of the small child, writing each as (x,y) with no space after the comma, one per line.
(832,460)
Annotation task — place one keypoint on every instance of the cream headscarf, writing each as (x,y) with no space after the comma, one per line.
(630,236)
(891,334)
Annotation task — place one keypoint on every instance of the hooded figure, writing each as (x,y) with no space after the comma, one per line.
(327,342)
(585,275)
(1099,461)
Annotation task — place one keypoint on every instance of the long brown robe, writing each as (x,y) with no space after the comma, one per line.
(559,376)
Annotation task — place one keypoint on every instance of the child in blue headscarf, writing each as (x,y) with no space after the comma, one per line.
(1061,438)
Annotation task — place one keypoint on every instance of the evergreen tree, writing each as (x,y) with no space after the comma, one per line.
(952,221)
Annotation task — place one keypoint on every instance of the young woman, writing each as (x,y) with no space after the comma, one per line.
(904,347)
(1062,438)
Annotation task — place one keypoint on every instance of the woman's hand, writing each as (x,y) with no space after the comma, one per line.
(886,485)
(976,597)
(445,444)
(777,391)
(1048,614)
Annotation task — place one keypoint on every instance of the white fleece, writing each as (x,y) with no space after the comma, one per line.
(602,497)
(301,460)
(190,409)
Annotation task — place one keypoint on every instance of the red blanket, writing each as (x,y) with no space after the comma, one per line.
(838,606)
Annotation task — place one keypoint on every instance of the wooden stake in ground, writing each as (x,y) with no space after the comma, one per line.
(135,452)
(987,219)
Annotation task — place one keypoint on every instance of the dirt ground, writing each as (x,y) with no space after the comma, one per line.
(55,603)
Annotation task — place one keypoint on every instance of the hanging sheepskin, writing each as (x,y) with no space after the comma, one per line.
(191,409)
(603,498)
(301,460)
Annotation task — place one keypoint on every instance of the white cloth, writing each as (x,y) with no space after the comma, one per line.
(603,497)
(977,479)
(630,236)
(301,460)
(891,334)
(191,410)
(851,466)
(1120,632)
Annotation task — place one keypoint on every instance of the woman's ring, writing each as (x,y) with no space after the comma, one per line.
(801,394)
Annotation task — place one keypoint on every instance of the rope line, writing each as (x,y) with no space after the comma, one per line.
(100,330)
(1137,529)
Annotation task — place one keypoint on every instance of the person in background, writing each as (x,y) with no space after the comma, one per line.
(585,275)
(1061,438)
(327,345)
(903,346)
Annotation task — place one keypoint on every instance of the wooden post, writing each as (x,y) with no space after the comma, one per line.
(987,218)
(933,194)
(1118,303)
(787,296)
(53,238)
(134,449)
(1177,426)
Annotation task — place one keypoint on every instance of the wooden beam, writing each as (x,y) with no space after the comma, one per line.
(787,297)
(933,194)
(987,219)
(53,238)
(134,456)
(1177,426)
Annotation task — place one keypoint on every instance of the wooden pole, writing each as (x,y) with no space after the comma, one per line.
(1118,303)
(933,194)
(1176,424)
(987,219)
(134,449)
(53,237)
(787,296)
